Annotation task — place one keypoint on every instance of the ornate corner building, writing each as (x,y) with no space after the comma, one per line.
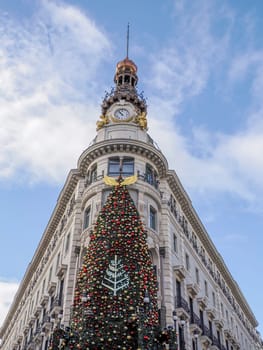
(196,292)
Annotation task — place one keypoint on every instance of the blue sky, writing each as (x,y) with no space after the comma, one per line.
(201,69)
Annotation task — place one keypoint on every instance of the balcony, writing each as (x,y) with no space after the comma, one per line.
(37,335)
(61,269)
(26,329)
(19,339)
(216,345)
(56,307)
(195,324)
(182,308)
(51,287)
(46,323)
(193,289)
(44,300)
(150,179)
(180,272)
(211,313)
(219,323)
(206,338)
(202,301)
(228,333)
(37,310)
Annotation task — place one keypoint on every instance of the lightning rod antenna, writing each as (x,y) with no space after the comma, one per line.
(128,38)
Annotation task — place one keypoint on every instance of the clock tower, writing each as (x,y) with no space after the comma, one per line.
(123,105)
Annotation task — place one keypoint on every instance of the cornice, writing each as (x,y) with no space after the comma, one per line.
(58,212)
(146,150)
(200,230)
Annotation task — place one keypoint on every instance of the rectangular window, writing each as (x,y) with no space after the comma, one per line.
(150,175)
(187,262)
(114,166)
(210,328)
(50,274)
(127,166)
(67,243)
(43,286)
(86,218)
(214,298)
(93,174)
(218,337)
(117,166)
(197,275)
(206,289)
(60,294)
(37,297)
(175,243)
(58,260)
(222,310)
(153,218)
(201,313)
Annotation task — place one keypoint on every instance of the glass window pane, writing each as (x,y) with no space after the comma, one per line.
(114,166)
(128,166)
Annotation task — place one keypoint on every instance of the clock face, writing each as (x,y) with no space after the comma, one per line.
(122,114)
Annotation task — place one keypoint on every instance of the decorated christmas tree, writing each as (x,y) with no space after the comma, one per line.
(115,301)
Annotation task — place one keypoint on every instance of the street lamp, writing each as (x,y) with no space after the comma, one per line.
(182,323)
(142,316)
(196,334)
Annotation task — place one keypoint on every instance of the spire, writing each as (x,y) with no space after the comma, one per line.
(125,80)
(128,38)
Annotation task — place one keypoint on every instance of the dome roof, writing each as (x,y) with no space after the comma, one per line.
(126,64)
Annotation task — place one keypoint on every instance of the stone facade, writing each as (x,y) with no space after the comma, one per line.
(196,293)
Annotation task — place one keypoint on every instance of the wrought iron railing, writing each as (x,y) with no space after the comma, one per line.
(182,303)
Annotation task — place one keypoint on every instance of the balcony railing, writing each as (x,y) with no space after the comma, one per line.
(55,306)
(182,303)
(194,319)
(151,180)
(206,332)
(216,342)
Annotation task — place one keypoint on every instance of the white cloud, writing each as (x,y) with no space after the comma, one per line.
(7,293)
(48,93)
(182,69)
(49,88)
(208,161)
